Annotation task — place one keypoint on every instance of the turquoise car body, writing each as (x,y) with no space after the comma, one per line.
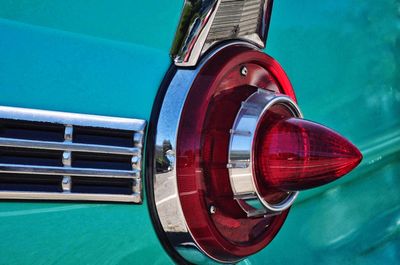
(109,58)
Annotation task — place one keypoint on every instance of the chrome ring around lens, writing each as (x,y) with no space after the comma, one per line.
(240,164)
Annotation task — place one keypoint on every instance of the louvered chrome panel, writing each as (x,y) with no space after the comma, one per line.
(205,24)
(236,19)
(65,156)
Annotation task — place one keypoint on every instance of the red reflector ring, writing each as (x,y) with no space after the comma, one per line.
(215,219)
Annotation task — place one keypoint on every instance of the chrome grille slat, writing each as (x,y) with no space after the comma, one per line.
(72,156)
(236,18)
(61,171)
(66,118)
(68,146)
(229,22)
(11,195)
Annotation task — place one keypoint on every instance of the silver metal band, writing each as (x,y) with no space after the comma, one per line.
(164,180)
(241,166)
(204,24)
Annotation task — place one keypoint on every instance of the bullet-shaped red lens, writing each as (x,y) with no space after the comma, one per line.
(296,154)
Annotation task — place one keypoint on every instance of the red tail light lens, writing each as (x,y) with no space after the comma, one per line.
(295,154)
(225,233)
(236,153)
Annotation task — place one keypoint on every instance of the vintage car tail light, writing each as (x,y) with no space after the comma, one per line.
(295,154)
(232,152)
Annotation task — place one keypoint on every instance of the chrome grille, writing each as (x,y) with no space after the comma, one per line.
(64,156)
(235,19)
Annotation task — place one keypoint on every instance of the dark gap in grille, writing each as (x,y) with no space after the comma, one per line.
(103,136)
(25,156)
(41,131)
(101,161)
(25,182)
(102,185)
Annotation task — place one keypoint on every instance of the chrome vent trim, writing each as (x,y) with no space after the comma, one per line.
(206,23)
(48,155)
(236,19)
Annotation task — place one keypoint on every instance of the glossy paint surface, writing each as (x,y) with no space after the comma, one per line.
(103,57)
(95,57)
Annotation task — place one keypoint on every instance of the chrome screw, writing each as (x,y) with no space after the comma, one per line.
(66,183)
(243,71)
(213,209)
(66,180)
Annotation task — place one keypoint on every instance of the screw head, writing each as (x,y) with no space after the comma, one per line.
(66,180)
(243,71)
(213,209)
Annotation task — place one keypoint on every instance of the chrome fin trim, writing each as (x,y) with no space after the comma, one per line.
(206,23)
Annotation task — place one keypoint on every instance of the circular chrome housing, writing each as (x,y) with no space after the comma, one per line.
(242,143)
(192,208)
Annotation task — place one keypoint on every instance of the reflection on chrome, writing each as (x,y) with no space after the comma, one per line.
(240,153)
(205,23)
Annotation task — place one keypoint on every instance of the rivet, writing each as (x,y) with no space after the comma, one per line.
(135,162)
(68,133)
(66,158)
(243,71)
(66,183)
(213,209)
(66,180)
(137,139)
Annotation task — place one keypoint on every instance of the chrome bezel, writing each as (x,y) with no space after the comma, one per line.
(163,180)
(242,143)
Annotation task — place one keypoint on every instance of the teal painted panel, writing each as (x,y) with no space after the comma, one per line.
(50,69)
(343,58)
(150,23)
(69,233)
(95,57)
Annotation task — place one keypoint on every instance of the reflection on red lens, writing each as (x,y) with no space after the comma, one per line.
(297,154)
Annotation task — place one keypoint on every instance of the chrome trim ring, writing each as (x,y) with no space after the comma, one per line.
(164,188)
(240,166)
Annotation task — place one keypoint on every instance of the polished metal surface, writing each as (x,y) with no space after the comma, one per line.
(242,143)
(205,23)
(74,119)
(68,196)
(83,172)
(134,127)
(68,146)
(165,182)
(192,32)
